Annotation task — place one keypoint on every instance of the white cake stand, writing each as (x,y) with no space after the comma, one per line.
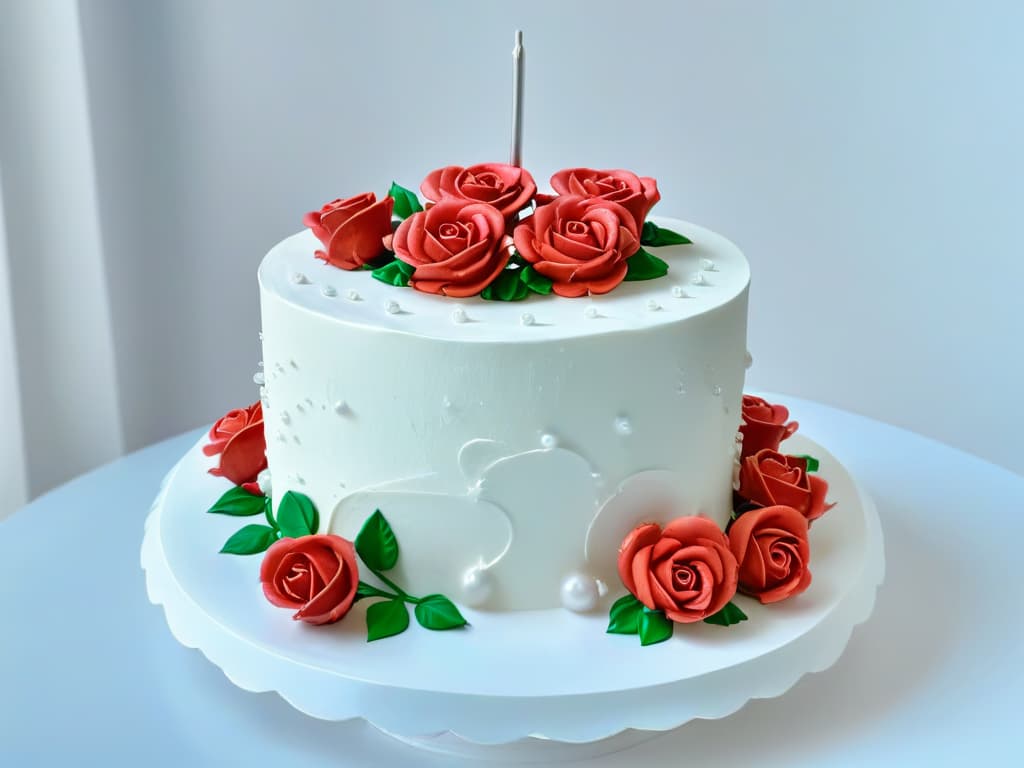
(543,684)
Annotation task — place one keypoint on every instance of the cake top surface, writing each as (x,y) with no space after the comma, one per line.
(703,275)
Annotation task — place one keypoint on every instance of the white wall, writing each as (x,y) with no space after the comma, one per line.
(866,156)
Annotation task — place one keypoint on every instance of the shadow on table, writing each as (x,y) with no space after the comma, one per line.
(887,659)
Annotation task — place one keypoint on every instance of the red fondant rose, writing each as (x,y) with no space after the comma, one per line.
(686,570)
(769,478)
(238,438)
(771,547)
(456,247)
(764,425)
(506,187)
(580,244)
(634,193)
(316,576)
(351,230)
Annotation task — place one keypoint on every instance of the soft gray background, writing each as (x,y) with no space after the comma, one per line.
(866,156)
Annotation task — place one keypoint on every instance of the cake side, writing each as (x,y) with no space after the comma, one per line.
(510,441)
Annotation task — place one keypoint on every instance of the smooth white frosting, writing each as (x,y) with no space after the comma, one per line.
(499,444)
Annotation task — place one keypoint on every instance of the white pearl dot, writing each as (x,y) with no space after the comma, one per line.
(477,586)
(459,315)
(623,426)
(707,264)
(261,335)
(352,294)
(329,291)
(748,359)
(285,418)
(653,306)
(698,278)
(548,441)
(716,390)
(591,312)
(299,279)
(678,292)
(259,378)
(527,319)
(579,593)
(445,402)
(299,408)
(263,480)
(341,408)
(293,364)
(391,307)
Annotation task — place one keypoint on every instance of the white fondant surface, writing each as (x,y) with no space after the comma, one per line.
(509,675)
(482,411)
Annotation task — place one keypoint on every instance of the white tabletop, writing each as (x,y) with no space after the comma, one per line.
(88,667)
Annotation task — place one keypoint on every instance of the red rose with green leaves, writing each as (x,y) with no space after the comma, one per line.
(580,244)
(769,478)
(352,230)
(771,547)
(457,248)
(316,576)
(239,439)
(686,569)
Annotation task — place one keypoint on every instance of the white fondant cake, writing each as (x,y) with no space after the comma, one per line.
(512,444)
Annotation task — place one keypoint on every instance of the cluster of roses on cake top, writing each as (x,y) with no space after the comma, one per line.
(685,571)
(485,230)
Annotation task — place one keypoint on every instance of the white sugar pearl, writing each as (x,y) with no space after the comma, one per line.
(352,294)
(263,480)
(391,307)
(579,593)
(716,391)
(653,306)
(527,319)
(623,426)
(299,279)
(678,292)
(459,315)
(477,586)
(591,312)
(341,408)
(748,359)
(329,291)
(707,265)
(285,418)
(698,278)
(259,378)
(548,441)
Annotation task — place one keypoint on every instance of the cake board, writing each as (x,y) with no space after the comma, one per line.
(522,685)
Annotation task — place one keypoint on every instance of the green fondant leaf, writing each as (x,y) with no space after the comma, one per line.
(506,287)
(376,543)
(386,618)
(239,503)
(643,266)
(297,515)
(535,281)
(812,463)
(395,272)
(729,615)
(654,627)
(406,202)
(656,236)
(438,612)
(250,540)
(624,616)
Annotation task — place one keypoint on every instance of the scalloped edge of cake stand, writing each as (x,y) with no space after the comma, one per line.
(524,727)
